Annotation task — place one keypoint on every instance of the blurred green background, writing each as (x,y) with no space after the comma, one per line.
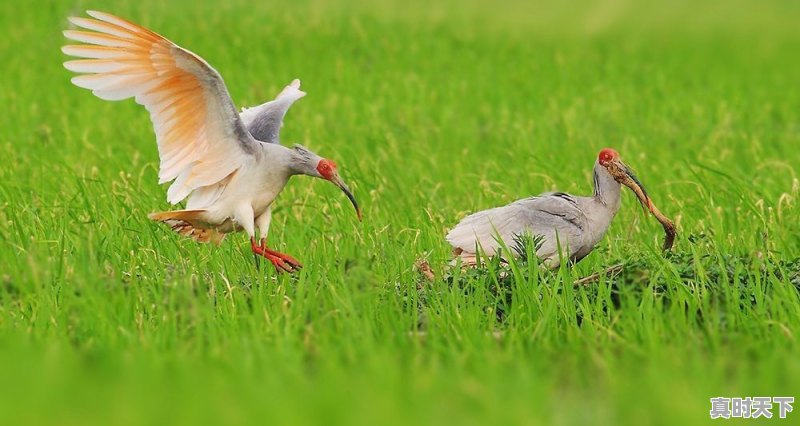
(432,110)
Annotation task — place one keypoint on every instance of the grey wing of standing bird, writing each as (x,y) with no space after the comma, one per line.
(569,226)
(554,218)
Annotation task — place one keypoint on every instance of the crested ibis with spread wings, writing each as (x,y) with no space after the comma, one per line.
(230,165)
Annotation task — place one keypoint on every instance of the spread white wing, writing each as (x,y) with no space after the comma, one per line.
(201,139)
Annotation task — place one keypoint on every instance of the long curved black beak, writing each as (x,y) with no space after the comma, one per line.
(336,180)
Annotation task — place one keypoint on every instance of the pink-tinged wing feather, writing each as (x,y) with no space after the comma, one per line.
(201,139)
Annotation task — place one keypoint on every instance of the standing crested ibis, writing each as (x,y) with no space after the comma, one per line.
(573,224)
(231,166)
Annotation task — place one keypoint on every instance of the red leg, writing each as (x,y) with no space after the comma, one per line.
(281,262)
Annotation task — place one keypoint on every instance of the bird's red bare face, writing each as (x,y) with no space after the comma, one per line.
(326,168)
(609,159)
(606,156)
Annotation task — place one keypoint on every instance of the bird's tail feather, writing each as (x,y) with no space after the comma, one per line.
(189,223)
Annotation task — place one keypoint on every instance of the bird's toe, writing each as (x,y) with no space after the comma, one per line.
(280,265)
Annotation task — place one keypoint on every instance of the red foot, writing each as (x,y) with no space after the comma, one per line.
(281,262)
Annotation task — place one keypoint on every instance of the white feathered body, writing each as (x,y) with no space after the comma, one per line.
(252,185)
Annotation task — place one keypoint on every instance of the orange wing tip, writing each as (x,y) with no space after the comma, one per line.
(104,16)
(123,23)
(101,39)
(103,27)
(92,52)
(95,66)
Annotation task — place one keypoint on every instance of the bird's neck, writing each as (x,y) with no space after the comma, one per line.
(606,189)
(302,162)
(279,159)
